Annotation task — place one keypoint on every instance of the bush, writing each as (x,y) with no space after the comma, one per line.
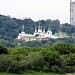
(63,48)
(5,62)
(69,69)
(9,63)
(57,69)
(3,50)
(35,60)
(46,68)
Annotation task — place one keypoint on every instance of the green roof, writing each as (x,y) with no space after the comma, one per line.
(56,34)
(28,36)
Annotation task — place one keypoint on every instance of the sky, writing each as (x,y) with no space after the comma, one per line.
(36,9)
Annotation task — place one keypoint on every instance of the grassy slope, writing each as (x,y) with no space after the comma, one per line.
(31,73)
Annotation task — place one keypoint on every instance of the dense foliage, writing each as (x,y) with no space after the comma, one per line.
(42,43)
(11,27)
(51,56)
(59,58)
(3,50)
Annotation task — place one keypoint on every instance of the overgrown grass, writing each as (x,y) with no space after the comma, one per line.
(30,73)
(4,73)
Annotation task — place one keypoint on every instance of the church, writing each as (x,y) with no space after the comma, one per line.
(39,34)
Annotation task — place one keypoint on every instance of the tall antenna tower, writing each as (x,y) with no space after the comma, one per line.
(71,12)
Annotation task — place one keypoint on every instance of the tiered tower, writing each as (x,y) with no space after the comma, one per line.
(23,28)
(49,31)
(40,28)
(35,31)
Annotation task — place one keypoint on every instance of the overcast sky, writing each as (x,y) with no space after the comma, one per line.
(36,9)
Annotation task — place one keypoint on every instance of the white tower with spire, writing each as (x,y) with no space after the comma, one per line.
(39,29)
(49,32)
(35,31)
(22,34)
(44,30)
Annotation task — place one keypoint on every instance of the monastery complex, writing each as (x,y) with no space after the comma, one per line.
(39,35)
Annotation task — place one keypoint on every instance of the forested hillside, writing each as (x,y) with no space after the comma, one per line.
(10,28)
(45,55)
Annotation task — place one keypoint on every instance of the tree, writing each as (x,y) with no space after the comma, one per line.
(63,48)
(3,50)
(35,60)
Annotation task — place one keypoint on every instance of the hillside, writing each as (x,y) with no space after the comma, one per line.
(10,28)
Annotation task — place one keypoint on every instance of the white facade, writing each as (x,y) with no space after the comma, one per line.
(38,35)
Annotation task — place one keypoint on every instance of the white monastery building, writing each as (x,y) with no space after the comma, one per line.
(39,35)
